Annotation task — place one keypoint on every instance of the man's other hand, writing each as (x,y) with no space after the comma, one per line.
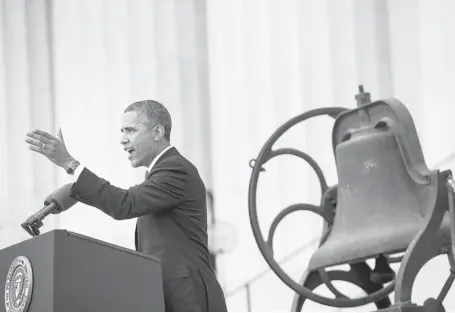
(50,146)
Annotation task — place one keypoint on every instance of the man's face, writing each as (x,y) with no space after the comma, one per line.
(138,139)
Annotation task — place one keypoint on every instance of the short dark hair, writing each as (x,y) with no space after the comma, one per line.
(156,114)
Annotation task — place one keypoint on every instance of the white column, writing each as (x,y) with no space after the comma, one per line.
(27,104)
(371,28)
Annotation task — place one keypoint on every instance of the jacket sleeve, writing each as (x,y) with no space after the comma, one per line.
(164,190)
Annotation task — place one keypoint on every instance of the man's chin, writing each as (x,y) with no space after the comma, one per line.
(134,164)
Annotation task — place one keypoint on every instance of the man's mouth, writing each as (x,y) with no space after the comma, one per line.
(130,151)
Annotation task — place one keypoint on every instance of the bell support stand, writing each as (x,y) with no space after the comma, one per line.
(386,196)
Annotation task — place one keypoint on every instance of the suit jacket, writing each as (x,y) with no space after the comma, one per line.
(171,212)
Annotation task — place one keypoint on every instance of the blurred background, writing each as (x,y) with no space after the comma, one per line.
(230,72)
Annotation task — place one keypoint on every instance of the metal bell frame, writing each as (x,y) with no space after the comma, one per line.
(418,253)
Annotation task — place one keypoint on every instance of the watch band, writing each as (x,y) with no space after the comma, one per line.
(73,166)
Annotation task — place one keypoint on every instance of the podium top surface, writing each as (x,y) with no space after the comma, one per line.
(64,232)
(104,243)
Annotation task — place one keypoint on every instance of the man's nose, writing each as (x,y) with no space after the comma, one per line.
(123,140)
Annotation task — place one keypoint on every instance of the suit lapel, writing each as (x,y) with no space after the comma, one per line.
(171,151)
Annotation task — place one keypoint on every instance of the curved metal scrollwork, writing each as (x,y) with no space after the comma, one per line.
(359,275)
(376,292)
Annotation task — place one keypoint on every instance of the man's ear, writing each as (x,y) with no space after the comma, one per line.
(159,132)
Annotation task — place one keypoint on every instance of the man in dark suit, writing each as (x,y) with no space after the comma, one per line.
(170,205)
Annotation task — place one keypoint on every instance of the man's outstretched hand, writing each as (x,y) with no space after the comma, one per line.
(50,146)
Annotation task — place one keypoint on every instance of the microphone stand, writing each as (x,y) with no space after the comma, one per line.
(58,201)
(34,222)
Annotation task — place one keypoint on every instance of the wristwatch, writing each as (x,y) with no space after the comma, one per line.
(73,165)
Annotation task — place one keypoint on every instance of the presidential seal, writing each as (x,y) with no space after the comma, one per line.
(19,285)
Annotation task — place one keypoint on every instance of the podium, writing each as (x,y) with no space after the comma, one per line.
(72,272)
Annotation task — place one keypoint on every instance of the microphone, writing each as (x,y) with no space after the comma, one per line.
(55,203)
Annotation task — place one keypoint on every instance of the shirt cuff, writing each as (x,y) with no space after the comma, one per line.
(78,171)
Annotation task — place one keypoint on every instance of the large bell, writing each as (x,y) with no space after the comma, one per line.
(384,187)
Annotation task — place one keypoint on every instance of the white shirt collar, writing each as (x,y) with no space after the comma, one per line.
(157,158)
